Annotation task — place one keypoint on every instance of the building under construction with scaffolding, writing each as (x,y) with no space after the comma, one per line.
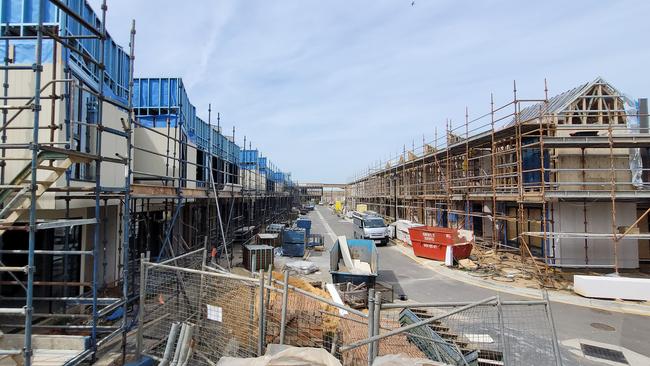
(97,168)
(563,179)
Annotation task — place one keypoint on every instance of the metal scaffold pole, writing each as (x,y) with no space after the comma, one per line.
(38,69)
(215,192)
(493,176)
(542,159)
(126,215)
(67,155)
(98,182)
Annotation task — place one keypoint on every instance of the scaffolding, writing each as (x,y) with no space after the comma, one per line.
(82,192)
(187,169)
(511,175)
(54,158)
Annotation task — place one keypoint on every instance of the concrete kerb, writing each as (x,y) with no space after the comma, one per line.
(554,296)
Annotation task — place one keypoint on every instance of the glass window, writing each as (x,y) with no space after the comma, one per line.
(374,223)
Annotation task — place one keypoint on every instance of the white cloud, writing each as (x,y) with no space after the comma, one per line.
(327,88)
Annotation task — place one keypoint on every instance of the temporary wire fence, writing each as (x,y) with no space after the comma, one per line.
(310,318)
(196,316)
(186,309)
(483,333)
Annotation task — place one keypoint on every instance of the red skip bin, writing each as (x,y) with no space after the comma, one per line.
(432,242)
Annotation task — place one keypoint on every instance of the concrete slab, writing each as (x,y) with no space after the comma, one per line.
(606,287)
(49,350)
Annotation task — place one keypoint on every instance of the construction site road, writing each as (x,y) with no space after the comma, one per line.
(575,324)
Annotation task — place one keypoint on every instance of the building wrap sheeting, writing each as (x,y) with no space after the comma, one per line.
(636,164)
(158,101)
(22,15)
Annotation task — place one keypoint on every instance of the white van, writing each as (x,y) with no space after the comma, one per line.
(369,225)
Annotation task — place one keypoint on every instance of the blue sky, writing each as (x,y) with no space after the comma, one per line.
(327,88)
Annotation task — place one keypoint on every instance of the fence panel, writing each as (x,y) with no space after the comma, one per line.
(221,310)
(510,334)
(199,316)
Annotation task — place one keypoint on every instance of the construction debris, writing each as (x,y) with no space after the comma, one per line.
(353,261)
(285,355)
(403,360)
(400,229)
(467,264)
(329,323)
(355,296)
(512,268)
(301,266)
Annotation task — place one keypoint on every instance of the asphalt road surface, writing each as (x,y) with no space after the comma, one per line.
(422,284)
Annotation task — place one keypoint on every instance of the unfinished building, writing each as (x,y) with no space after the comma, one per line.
(97,168)
(563,179)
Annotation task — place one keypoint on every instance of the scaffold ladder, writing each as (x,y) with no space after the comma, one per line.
(16,196)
